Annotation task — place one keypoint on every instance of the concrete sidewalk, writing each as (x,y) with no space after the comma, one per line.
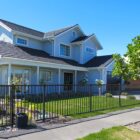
(82,129)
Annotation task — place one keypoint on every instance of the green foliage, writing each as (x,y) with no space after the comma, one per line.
(133,55)
(128,66)
(99,82)
(131,97)
(120,67)
(124,93)
(108,95)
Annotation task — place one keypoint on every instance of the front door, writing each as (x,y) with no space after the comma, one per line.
(68,81)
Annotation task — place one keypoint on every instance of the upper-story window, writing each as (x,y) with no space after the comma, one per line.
(64,50)
(90,50)
(21,41)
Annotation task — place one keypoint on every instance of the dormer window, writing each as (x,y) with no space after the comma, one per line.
(64,50)
(90,50)
(21,41)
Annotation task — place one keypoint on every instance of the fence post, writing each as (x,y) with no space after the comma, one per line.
(90,96)
(44,90)
(12,93)
(120,87)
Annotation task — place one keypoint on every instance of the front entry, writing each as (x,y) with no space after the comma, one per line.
(68,81)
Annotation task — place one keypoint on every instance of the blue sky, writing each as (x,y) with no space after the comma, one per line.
(115,22)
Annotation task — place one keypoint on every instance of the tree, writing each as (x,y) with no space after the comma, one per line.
(133,55)
(128,66)
(120,67)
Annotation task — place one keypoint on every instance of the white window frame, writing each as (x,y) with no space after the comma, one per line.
(65,45)
(45,70)
(89,51)
(18,37)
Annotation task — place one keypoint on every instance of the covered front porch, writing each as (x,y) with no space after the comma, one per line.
(27,73)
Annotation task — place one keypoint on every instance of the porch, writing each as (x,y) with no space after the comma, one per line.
(41,75)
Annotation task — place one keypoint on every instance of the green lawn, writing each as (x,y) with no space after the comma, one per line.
(115,133)
(73,107)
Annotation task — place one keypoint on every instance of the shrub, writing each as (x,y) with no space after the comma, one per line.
(131,97)
(109,95)
(124,93)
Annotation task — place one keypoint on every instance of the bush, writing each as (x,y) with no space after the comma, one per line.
(109,95)
(124,93)
(131,97)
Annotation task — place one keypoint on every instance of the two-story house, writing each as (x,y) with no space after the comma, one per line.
(63,56)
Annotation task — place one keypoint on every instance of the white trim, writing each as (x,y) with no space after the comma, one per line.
(24,38)
(75,80)
(70,29)
(38,75)
(5,26)
(65,56)
(26,62)
(9,74)
(109,63)
(92,36)
(27,35)
(59,80)
(46,70)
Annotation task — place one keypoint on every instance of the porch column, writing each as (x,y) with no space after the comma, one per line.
(59,80)
(9,74)
(75,80)
(37,75)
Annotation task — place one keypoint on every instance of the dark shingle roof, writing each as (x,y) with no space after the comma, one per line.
(33,32)
(99,61)
(22,29)
(57,32)
(9,50)
(82,38)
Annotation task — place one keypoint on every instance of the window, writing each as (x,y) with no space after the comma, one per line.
(22,41)
(89,50)
(45,76)
(64,50)
(22,76)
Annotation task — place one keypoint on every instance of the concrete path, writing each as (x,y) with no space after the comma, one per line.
(82,129)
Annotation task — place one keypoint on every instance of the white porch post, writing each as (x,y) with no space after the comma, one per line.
(9,74)
(75,80)
(59,80)
(37,76)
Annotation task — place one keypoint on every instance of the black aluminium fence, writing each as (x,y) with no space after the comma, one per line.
(41,102)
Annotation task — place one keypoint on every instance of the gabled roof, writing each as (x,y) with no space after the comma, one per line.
(59,31)
(9,50)
(82,38)
(22,29)
(33,32)
(99,61)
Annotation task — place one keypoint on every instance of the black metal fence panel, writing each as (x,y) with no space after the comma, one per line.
(41,102)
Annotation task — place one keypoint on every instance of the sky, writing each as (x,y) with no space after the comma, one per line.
(114,22)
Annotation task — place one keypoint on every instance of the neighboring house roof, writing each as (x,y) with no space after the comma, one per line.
(22,29)
(99,61)
(59,31)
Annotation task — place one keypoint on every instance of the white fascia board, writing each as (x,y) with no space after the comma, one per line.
(27,35)
(109,64)
(17,61)
(5,26)
(98,43)
(71,29)
(95,68)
